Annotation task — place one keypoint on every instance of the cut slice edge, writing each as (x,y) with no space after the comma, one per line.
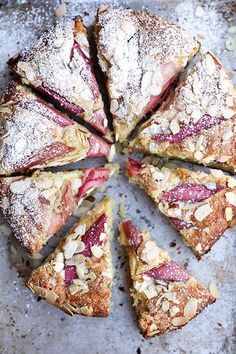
(77,276)
(164,295)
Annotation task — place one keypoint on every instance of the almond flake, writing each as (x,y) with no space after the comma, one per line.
(179,321)
(114,106)
(73,288)
(75,184)
(61,10)
(127,27)
(227,112)
(198,155)
(232,29)
(102,236)
(80,247)
(97,251)
(80,230)
(165,306)
(190,308)
(212,110)
(58,266)
(174,126)
(231,198)
(150,292)
(231,182)
(196,114)
(87,311)
(229,214)
(174,310)
(112,153)
(202,212)
(59,257)
(213,290)
(217,173)
(69,249)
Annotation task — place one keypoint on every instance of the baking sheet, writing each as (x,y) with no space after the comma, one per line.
(31,326)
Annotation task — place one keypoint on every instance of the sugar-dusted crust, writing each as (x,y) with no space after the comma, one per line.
(141,54)
(198,122)
(161,305)
(59,65)
(35,135)
(200,222)
(88,294)
(38,206)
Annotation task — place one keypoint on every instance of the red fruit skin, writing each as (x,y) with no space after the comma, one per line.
(189,193)
(98,147)
(170,271)
(68,206)
(88,75)
(70,274)
(54,115)
(169,72)
(134,167)
(91,237)
(93,177)
(180,224)
(132,234)
(190,130)
(48,153)
(62,101)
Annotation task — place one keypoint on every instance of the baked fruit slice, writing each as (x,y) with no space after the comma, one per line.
(59,65)
(198,121)
(36,135)
(200,206)
(37,207)
(165,296)
(141,55)
(77,276)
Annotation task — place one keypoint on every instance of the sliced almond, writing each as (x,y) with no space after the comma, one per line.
(97,251)
(58,266)
(80,230)
(174,126)
(59,257)
(75,184)
(102,236)
(73,288)
(69,249)
(87,311)
(80,247)
(127,27)
(179,321)
(213,290)
(190,308)
(231,198)
(231,182)
(174,310)
(202,212)
(114,106)
(227,112)
(229,214)
(165,306)
(198,155)
(196,114)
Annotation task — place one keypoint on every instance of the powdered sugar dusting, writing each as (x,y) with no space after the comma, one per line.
(134,49)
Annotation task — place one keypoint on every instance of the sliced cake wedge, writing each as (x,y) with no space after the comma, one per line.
(37,207)
(164,295)
(36,135)
(58,64)
(200,206)
(77,276)
(198,121)
(141,55)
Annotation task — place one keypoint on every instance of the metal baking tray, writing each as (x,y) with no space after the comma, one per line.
(31,326)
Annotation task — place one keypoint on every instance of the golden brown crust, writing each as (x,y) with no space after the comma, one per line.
(87,294)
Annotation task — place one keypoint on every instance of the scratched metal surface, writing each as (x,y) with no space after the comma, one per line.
(31,326)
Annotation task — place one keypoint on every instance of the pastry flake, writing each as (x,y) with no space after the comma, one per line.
(164,295)
(77,276)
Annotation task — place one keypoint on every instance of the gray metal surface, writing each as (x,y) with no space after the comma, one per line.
(28,326)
